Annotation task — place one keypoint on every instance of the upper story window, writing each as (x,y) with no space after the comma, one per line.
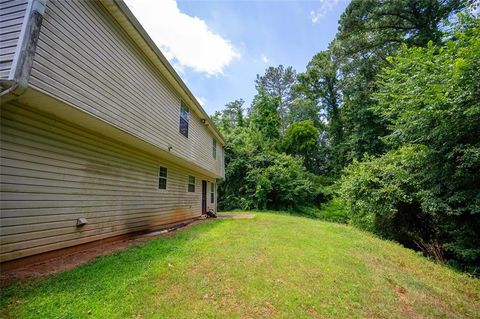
(162,178)
(212,193)
(184,119)
(214,148)
(191,184)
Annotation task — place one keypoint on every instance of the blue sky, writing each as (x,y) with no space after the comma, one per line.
(218,47)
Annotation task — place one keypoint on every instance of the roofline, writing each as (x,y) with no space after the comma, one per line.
(123,8)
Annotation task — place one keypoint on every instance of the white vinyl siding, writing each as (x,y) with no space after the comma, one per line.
(85,59)
(53,172)
(12,14)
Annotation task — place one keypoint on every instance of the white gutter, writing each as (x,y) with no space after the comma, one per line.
(25,51)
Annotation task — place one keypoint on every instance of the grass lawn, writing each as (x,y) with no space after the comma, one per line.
(271,266)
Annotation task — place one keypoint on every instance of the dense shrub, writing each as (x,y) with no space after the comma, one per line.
(265,180)
(425,192)
(383,195)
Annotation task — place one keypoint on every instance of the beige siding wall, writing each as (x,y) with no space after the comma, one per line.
(12,14)
(53,172)
(84,58)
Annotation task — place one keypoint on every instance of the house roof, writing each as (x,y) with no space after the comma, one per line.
(122,14)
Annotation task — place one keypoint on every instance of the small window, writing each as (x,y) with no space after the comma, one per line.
(184,119)
(191,184)
(212,193)
(214,149)
(162,178)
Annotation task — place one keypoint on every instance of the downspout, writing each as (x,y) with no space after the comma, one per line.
(25,51)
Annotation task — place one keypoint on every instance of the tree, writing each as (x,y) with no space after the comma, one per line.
(278,82)
(264,115)
(320,83)
(234,112)
(369,32)
(303,109)
(302,139)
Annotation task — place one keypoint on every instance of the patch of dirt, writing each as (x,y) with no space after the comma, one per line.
(404,304)
(69,261)
(236,216)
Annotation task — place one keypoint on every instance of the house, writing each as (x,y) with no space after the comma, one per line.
(99,135)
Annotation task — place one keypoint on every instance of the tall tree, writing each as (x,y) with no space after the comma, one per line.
(320,83)
(369,32)
(303,109)
(234,112)
(264,116)
(278,82)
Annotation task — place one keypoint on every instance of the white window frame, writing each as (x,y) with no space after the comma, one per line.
(160,177)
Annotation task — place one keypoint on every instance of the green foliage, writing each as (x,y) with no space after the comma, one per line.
(320,84)
(259,179)
(427,189)
(257,174)
(301,139)
(382,192)
(278,82)
(264,116)
(342,80)
(303,109)
(277,181)
(234,112)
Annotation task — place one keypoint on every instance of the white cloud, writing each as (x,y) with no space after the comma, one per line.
(325,7)
(185,41)
(264,59)
(201,100)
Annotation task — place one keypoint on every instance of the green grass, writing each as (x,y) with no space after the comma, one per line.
(275,265)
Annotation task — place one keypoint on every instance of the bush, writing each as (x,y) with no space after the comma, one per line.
(272,181)
(381,195)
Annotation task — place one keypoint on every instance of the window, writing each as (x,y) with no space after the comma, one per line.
(191,184)
(184,118)
(162,178)
(214,149)
(212,193)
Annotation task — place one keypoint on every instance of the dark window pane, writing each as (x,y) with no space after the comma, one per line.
(184,112)
(163,171)
(162,183)
(212,198)
(191,184)
(214,149)
(183,127)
